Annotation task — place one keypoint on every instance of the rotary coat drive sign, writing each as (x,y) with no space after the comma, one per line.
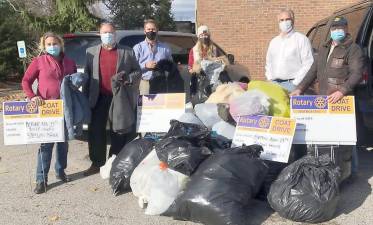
(26,123)
(274,134)
(321,122)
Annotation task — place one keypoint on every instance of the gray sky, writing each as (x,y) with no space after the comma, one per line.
(183,9)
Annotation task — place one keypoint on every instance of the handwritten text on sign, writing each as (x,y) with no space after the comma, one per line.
(155,112)
(274,134)
(26,123)
(321,122)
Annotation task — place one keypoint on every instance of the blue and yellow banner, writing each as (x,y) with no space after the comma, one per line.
(320,104)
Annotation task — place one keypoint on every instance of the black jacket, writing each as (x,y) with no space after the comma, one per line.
(122,112)
(166,78)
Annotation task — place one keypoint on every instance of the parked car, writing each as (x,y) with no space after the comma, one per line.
(180,44)
(360,25)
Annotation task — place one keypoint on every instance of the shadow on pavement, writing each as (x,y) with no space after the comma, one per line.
(355,190)
(73,177)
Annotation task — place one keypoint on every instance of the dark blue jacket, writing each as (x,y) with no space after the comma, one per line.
(76,106)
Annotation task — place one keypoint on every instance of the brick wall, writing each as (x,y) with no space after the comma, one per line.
(245,27)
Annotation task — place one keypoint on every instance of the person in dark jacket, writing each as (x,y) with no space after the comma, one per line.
(338,68)
(102,63)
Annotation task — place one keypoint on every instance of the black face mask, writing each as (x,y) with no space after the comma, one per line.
(205,40)
(151,35)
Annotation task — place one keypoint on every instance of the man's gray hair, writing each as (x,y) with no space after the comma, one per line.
(288,11)
(105,22)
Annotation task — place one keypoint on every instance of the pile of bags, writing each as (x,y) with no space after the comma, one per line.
(192,173)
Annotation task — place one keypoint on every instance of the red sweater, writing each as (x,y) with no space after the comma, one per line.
(49,72)
(108,68)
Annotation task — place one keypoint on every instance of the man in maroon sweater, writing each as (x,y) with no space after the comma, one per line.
(102,63)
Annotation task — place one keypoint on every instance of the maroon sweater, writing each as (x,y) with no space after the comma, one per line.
(108,68)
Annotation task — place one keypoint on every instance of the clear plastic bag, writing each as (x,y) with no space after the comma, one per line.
(155,185)
(224,129)
(208,114)
(252,102)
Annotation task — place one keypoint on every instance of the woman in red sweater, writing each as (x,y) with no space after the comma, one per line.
(48,69)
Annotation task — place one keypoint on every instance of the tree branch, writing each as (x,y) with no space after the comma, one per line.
(12,5)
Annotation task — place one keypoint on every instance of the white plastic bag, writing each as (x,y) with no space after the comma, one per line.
(155,185)
(253,102)
(208,114)
(224,129)
(105,169)
(190,118)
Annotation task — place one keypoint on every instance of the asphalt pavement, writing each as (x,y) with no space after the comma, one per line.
(88,200)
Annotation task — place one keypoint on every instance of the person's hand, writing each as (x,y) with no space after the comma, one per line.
(335,97)
(296,92)
(38,100)
(151,64)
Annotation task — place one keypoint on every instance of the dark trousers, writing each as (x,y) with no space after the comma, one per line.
(97,135)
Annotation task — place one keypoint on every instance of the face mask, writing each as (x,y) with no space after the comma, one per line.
(151,35)
(107,38)
(338,35)
(205,40)
(53,50)
(286,26)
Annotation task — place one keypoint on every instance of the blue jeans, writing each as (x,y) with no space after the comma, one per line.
(288,85)
(45,157)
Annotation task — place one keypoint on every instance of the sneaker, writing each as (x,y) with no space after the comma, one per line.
(91,170)
(40,188)
(63,177)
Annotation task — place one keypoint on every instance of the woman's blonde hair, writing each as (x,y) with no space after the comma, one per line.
(47,35)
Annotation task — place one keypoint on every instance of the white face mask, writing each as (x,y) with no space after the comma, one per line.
(286,26)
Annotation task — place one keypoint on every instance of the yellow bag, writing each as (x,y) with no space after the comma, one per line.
(279,98)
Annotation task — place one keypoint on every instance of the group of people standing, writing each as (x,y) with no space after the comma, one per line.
(289,63)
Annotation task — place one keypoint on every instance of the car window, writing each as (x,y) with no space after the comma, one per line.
(132,40)
(355,19)
(319,37)
(180,47)
(75,47)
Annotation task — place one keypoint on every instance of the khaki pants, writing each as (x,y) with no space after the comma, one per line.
(144,87)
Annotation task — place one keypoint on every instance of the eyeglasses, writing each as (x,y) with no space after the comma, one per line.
(286,19)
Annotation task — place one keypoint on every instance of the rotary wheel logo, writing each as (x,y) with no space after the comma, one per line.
(31,107)
(264,122)
(320,102)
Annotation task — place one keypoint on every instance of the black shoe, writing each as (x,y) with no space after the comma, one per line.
(91,170)
(64,178)
(40,188)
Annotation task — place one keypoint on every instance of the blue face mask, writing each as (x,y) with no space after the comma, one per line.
(53,50)
(107,38)
(337,35)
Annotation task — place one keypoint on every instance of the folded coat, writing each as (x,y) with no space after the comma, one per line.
(76,106)
(122,112)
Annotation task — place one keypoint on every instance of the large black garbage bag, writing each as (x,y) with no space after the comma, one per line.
(274,169)
(342,157)
(180,154)
(126,161)
(221,188)
(197,134)
(307,190)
